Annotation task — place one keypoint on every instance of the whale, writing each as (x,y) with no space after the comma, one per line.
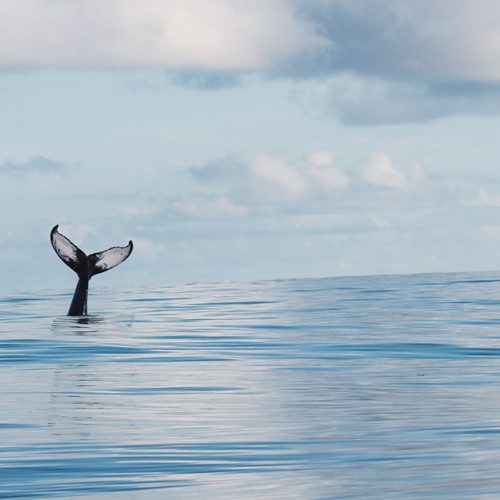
(86,266)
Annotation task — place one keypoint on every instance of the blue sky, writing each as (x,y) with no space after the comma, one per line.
(242,140)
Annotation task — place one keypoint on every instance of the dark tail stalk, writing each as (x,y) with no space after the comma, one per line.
(86,266)
(78,305)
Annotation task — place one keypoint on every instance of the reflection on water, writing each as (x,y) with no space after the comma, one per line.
(76,325)
(368,387)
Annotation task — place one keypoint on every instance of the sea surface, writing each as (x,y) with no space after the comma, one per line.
(356,387)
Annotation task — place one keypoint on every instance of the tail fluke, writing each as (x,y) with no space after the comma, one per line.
(85,266)
(107,259)
(90,265)
(68,252)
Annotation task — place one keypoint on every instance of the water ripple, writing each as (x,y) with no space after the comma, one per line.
(364,387)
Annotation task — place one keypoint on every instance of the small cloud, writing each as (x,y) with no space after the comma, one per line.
(277,172)
(135,211)
(380,222)
(38,165)
(266,180)
(320,158)
(210,209)
(330,179)
(381,172)
(483,199)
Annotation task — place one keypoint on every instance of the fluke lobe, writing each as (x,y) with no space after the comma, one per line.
(85,266)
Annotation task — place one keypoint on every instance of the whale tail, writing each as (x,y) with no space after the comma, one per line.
(87,265)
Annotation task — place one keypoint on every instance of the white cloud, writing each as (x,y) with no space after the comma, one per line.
(255,181)
(380,222)
(176,34)
(276,171)
(327,177)
(320,158)
(381,172)
(210,209)
(385,62)
(483,198)
(133,211)
(428,40)
(39,165)
(330,179)
(268,183)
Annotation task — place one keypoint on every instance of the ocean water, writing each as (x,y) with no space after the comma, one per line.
(362,387)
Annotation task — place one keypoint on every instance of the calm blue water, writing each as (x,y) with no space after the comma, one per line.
(365,387)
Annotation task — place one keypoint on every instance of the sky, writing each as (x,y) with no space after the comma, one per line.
(249,139)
